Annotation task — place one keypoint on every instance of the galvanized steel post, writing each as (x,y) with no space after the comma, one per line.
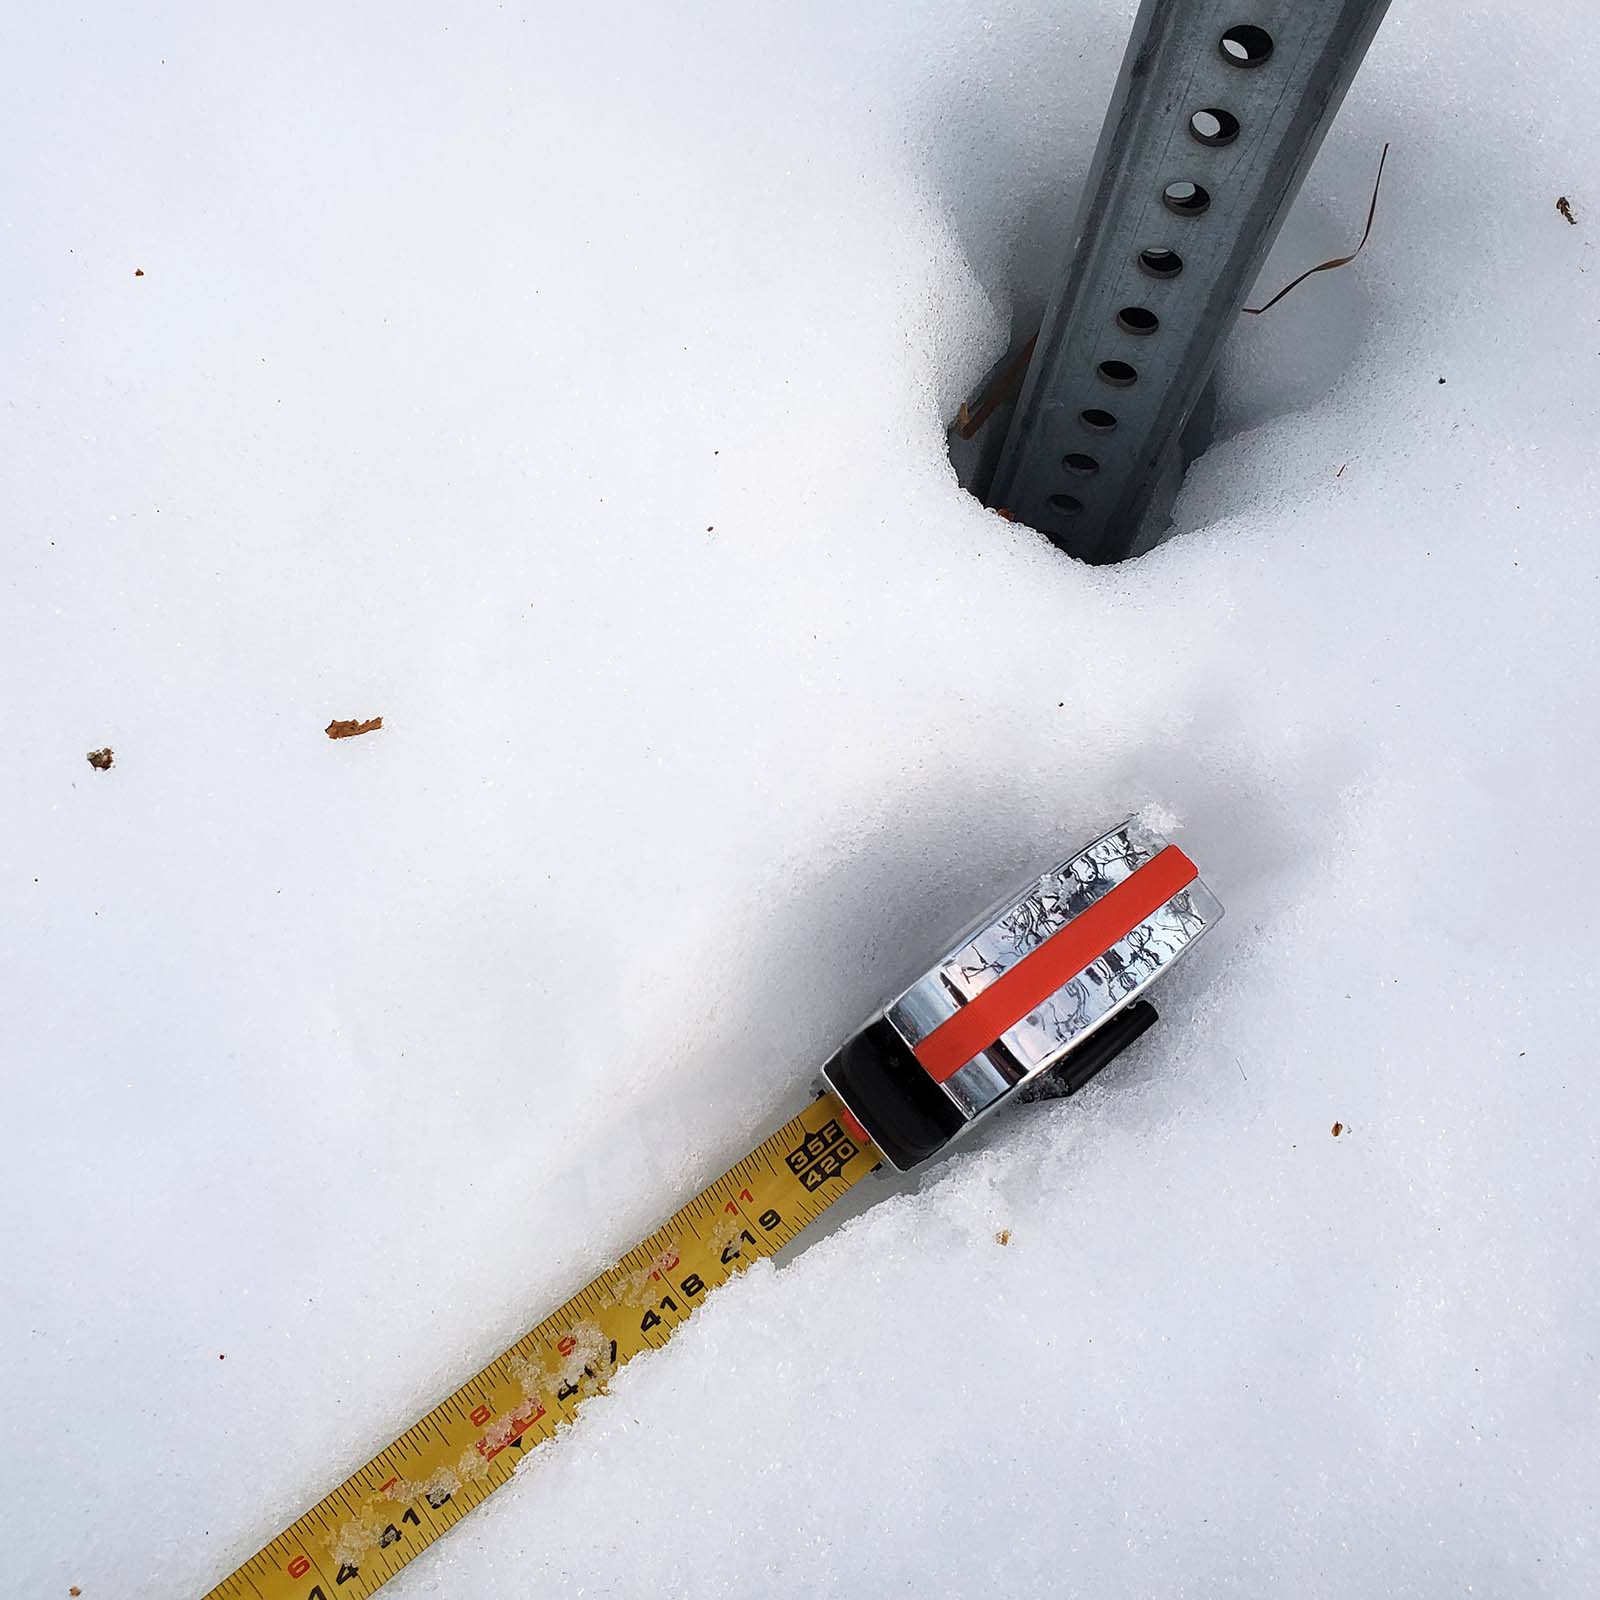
(1218,111)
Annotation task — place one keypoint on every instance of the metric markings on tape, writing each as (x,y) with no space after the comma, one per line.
(356,1538)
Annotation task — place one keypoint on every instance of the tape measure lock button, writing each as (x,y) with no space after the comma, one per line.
(1050,981)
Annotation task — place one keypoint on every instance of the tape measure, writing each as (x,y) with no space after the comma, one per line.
(356,1539)
(1046,987)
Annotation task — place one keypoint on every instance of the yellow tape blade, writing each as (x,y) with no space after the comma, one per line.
(354,1540)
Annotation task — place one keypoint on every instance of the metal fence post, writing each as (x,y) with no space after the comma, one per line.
(1218,111)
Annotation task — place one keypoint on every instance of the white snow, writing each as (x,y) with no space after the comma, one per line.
(568,388)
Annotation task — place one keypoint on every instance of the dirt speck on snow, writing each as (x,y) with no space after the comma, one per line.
(1003,1237)
(1338,1128)
(348,730)
(101,760)
(1564,206)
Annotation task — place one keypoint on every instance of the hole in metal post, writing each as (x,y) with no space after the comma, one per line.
(1068,505)
(1160,263)
(1214,126)
(1096,420)
(1185,199)
(1076,461)
(1245,45)
(1117,373)
(1137,319)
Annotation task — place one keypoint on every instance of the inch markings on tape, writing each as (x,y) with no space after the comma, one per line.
(358,1537)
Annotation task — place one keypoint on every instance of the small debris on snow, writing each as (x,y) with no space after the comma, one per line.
(138,272)
(1003,1237)
(101,760)
(1338,1128)
(348,730)
(1564,206)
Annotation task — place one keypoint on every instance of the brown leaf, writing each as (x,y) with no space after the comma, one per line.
(74,1590)
(348,730)
(1564,206)
(1003,1237)
(1338,1128)
(101,760)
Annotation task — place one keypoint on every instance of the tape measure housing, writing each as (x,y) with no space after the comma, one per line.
(1025,986)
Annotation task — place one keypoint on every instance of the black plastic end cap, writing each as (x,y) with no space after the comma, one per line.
(908,1115)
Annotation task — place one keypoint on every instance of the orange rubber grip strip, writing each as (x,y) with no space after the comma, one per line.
(1056,962)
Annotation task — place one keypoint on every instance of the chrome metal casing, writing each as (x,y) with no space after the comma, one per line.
(1113,979)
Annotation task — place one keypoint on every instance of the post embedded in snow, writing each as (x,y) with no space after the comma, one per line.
(1218,111)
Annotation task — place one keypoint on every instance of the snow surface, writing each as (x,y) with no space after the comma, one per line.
(567,387)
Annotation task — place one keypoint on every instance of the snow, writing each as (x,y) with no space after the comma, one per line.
(568,388)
